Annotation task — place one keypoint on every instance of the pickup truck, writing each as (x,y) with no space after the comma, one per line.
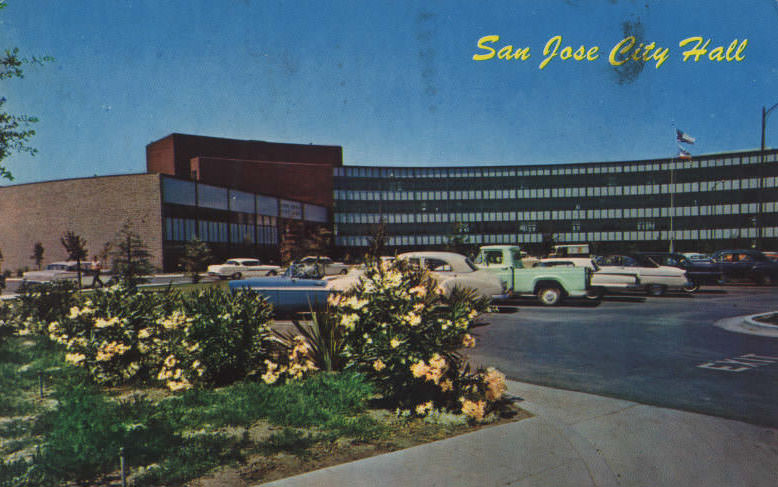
(550,285)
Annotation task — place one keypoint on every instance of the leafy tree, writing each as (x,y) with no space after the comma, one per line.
(377,240)
(197,256)
(319,241)
(15,131)
(37,254)
(458,240)
(289,248)
(75,246)
(131,258)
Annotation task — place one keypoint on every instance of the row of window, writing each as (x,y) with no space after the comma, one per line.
(187,193)
(183,230)
(572,237)
(578,169)
(510,216)
(568,192)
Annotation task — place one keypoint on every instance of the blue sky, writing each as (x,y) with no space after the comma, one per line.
(392,82)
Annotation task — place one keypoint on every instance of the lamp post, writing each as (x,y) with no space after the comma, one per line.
(760,229)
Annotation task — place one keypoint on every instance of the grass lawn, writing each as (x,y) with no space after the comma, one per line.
(55,428)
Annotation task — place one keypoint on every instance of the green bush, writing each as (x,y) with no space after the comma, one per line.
(40,304)
(210,337)
(404,334)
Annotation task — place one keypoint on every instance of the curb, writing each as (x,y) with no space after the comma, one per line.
(749,326)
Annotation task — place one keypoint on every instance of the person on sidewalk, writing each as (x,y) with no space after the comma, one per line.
(96,268)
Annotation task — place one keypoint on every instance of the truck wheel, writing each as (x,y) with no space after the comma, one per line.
(344,272)
(549,296)
(236,275)
(595,293)
(655,290)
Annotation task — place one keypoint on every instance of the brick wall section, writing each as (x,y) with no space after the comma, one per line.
(310,183)
(94,208)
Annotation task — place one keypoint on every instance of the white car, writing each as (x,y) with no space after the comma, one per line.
(654,278)
(452,270)
(326,265)
(239,268)
(57,271)
(604,280)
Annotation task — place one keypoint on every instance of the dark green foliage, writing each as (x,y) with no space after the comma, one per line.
(131,258)
(197,256)
(87,432)
(231,330)
(324,336)
(15,131)
(194,457)
(37,254)
(75,246)
(293,441)
(45,302)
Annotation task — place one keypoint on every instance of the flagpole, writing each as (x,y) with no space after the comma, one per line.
(672,204)
(672,196)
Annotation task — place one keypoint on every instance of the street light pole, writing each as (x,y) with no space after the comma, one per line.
(760,229)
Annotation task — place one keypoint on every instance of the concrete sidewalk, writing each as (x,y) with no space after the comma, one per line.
(576,440)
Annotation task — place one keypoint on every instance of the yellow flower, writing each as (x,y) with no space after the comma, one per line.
(419,291)
(468,341)
(379,365)
(53,326)
(475,410)
(393,279)
(101,323)
(424,408)
(349,321)
(419,369)
(394,343)
(472,314)
(495,384)
(175,386)
(446,385)
(412,319)
(170,361)
(144,333)
(75,358)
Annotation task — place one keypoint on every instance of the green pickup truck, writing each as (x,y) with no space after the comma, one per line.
(549,284)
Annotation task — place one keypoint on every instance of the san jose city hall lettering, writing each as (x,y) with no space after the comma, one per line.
(695,48)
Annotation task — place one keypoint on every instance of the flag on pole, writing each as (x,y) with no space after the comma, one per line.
(683,154)
(684,137)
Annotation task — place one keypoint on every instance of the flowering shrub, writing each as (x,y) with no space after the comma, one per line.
(404,333)
(121,335)
(40,304)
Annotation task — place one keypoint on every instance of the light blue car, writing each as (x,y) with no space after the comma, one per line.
(299,289)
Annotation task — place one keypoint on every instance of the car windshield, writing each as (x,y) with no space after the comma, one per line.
(304,270)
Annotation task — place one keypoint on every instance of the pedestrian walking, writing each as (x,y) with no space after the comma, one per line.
(96,268)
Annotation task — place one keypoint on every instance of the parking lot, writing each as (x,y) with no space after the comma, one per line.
(664,351)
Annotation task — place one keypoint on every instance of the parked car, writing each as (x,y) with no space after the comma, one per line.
(771,255)
(656,279)
(746,265)
(238,268)
(295,291)
(604,280)
(696,256)
(57,271)
(698,271)
(455,270)
(327,265)
(550,285)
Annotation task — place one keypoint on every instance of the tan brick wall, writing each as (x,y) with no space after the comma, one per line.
(94,208)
